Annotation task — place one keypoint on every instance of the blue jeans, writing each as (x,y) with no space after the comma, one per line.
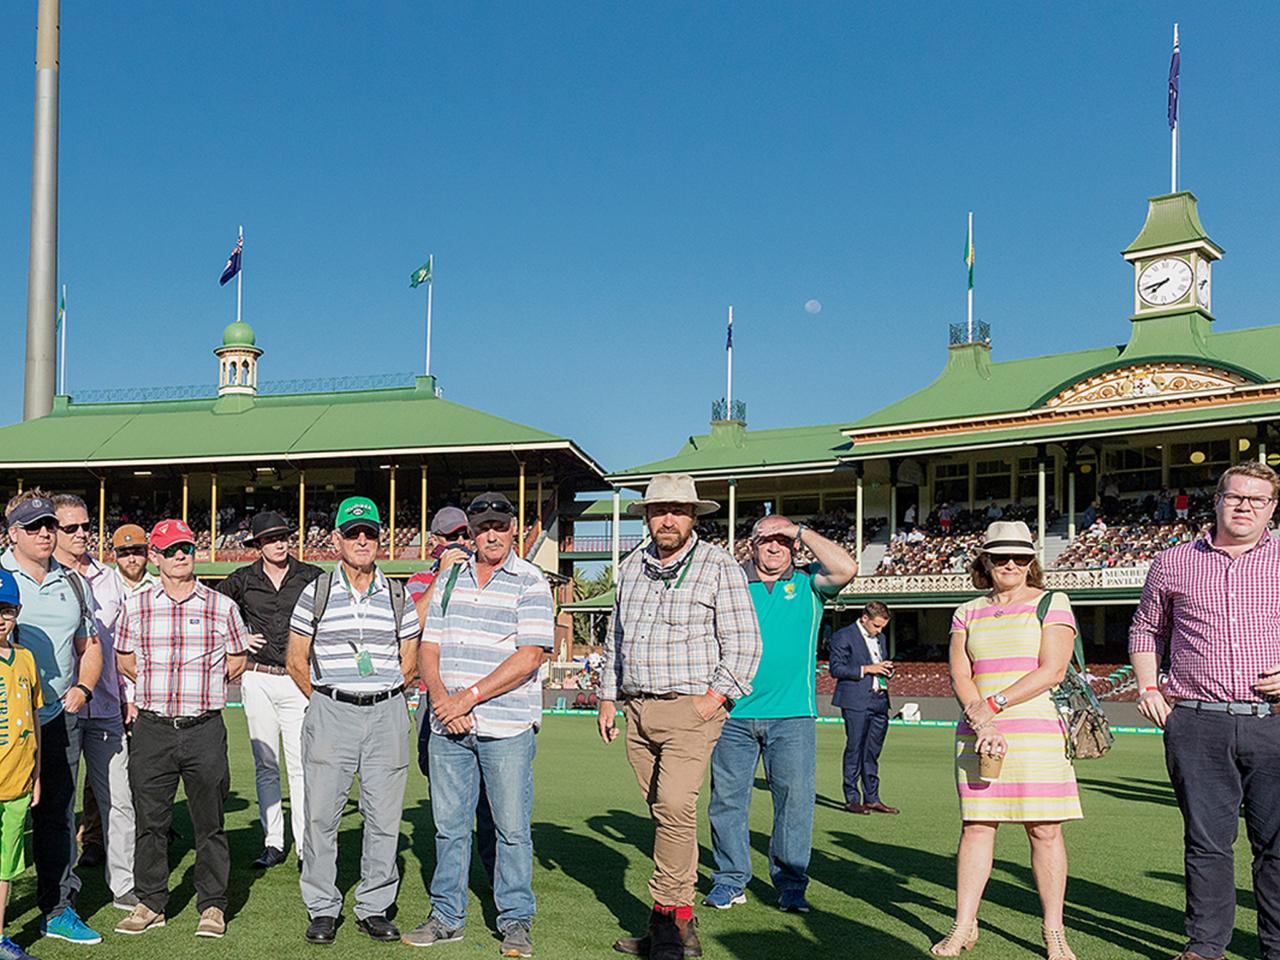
(790,751)
(486,840)
(457,763)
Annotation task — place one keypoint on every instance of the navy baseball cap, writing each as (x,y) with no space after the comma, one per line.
(9,589)
(29,511)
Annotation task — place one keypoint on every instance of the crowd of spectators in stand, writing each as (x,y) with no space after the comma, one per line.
(948,538)
(836,525)
(1125,533)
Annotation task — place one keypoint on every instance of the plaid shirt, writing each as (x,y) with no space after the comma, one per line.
(182,648)
(682,627)
(1217,616)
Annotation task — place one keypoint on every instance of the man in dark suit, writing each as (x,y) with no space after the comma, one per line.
(859,663)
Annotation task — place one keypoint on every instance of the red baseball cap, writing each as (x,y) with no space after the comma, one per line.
(168,532)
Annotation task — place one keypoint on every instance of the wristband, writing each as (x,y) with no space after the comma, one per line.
(1149,689)
(991,702)
(719,696)
(475,692)
(88,694)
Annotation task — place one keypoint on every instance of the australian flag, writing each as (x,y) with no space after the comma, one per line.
(233,263)
(1174,66)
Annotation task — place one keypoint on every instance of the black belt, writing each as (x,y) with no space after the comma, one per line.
(359,699)
(179,723)
(1237,708)
(655,696)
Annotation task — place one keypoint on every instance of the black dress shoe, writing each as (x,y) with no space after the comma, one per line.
(322,930)
(379,928)
(268,858)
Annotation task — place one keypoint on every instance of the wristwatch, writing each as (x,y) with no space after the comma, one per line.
(1001,701)
(800,529)
(88,694)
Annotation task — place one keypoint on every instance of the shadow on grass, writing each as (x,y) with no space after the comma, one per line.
(1132,788)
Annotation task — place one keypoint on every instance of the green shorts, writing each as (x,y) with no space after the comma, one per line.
(13,831)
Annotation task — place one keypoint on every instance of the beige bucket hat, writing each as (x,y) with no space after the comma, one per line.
(1009,537)
(671,488)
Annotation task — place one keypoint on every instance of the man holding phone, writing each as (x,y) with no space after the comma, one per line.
(862,671)
(1213,605)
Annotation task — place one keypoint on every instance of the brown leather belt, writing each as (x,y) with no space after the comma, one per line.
(266,668)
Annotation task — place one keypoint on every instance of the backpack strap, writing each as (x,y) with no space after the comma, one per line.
(397,601)
(78,587)
(324,584)
(1042,610)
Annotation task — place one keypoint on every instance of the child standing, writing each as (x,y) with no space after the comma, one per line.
(19,750)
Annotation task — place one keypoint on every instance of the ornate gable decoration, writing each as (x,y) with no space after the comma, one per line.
(1145,382)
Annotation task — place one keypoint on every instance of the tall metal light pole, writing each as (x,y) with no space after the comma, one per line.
(42,271)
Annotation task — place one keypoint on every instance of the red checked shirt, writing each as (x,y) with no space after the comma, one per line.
(182,648)
(1217,616)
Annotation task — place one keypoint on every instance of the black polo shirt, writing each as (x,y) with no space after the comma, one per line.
(265,609)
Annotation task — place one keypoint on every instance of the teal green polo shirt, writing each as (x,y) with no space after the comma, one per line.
(49,625)
(790,614)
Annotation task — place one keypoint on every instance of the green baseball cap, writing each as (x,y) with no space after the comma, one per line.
(357,512)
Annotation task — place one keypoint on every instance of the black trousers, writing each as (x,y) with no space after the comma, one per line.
(1218,762)
(53,819)
(864,732)
(160,756)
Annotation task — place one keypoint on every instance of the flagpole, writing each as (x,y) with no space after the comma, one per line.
(728,391)
(1173,132)
(62,359)
(428,370)
(970,282)
(240,274)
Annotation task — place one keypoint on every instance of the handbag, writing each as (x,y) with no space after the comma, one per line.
(1088,733)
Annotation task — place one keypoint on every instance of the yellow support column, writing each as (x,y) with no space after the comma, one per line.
(520,520)
(537,514)
(19,486)
(391,545)
(186,477)
(102,517)
(422,519)
(302,513)
(213,516)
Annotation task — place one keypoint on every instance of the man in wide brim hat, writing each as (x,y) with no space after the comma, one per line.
(671,488)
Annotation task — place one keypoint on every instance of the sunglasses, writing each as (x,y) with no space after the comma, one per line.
(171,551)
(355,533)
(85,527)
(273,538)
(497,506)
(8,612)
(456,536)
(1000,559)
(44,523)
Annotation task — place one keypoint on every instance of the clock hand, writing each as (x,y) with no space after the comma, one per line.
(1156,286)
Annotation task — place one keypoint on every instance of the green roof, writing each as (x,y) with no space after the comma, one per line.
(597,509)
(402,419)
(1172,219)
(238,334)
(597,604)
(729,445)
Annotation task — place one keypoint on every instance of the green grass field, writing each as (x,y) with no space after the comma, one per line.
(882,886)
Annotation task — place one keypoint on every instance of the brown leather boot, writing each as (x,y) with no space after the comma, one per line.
(640,946)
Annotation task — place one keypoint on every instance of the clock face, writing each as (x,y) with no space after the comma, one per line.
(1202,284)
(1165,281)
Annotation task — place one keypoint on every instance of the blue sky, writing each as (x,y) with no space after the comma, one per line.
(599,181)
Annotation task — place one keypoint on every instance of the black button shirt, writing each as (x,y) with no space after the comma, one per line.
(265,609)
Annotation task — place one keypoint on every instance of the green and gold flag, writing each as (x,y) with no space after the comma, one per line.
(421,275)
(968,254)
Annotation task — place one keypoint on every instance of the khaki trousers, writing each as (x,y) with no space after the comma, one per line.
(668,746)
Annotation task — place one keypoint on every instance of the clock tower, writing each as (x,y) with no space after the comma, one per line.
(1172,258)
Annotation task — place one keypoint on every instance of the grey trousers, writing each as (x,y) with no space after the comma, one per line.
(106,767)
(341,742)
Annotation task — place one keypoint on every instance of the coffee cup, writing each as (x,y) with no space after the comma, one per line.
(989,767)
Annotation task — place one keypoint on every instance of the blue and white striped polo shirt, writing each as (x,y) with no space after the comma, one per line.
(352,624)
(481,629)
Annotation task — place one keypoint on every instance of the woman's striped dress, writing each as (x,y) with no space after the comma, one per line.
(1037,782)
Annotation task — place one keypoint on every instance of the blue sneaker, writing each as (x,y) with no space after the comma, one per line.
(68,926)
(723,896)
(11,951)
(793,902)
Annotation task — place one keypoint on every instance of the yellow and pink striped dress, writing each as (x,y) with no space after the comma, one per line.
(1037,782)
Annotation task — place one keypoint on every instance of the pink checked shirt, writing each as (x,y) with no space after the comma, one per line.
(182,648)
(1218,617)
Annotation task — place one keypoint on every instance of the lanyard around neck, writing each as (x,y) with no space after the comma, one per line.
(688,562)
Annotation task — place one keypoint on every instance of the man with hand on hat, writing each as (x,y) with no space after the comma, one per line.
(683,644)
(266,592)
(129,543)
(489,625)
(353,648)
(56,624)
(181,643)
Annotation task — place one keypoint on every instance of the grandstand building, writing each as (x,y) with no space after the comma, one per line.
(1109,453)
(214,457)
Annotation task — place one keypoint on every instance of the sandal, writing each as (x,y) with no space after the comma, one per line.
(958,939)
(1055,944)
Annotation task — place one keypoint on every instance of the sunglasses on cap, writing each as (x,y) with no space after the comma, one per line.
(370,533)
(1000,559)
(497,506)
(174,549)
(44,523)
(85,527)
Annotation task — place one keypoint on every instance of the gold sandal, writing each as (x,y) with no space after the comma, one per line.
(958,939)
(1055,944)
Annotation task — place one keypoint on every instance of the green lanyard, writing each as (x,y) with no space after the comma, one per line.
(688,562)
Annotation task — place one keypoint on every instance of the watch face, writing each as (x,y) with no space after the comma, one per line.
(1165,281)
(1202,284)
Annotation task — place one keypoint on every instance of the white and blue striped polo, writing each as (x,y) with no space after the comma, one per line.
(481,629)
(351,625)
